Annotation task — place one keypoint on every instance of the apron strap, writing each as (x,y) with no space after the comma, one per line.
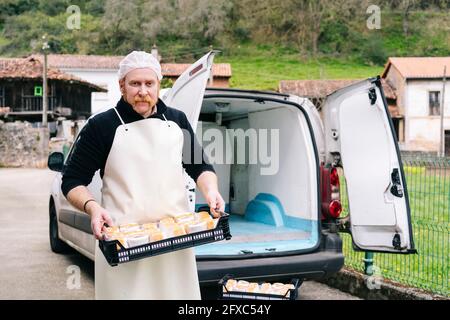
(120,118)
(126,129)
(166,119)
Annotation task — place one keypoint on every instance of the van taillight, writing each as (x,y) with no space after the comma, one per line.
(335,209)
(331,205)
(334,178)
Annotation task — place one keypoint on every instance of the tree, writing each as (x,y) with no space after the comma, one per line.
(11,8)
(53,7)
(120,24)
(201,20)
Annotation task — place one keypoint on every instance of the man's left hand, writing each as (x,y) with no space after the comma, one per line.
(215,202)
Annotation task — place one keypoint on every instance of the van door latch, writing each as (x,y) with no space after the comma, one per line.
(396,242)
(396,188)
(372,96)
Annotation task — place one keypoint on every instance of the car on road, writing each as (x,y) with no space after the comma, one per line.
(281,169)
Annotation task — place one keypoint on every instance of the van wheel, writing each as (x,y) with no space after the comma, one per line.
(56,244)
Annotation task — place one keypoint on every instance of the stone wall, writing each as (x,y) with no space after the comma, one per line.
(21,145)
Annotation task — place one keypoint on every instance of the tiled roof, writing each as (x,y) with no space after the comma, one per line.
(419,67)
(31,68)
(82,61)
(323,88)
(176,69)
(112,62)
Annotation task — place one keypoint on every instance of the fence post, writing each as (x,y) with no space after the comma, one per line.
(368,263)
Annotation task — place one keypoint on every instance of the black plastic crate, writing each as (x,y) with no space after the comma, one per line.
(224,294)
(116,256)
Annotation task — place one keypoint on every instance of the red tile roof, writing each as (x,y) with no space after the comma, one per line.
(31,68)
(175,69)
(323,88)
(83,61)
(419,67)
(112,62)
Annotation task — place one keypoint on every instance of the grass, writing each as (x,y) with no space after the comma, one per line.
(429,194)
(262,67)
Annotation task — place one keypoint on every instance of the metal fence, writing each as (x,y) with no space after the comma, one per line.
(428,183)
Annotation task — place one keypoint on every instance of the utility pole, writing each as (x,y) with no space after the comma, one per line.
(45,47)
(442,145)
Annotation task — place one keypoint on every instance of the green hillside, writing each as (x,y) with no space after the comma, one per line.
(262,68)
(265,41)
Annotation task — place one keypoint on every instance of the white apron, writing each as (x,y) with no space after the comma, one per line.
(143,182)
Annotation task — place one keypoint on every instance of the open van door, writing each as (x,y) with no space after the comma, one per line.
(359,137)
(187,92)
(187,95)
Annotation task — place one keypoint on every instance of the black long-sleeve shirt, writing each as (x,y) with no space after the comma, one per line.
(96,138)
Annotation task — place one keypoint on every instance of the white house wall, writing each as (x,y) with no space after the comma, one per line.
(423,130)
(106,78)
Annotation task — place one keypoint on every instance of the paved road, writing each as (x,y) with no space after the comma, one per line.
(30,270)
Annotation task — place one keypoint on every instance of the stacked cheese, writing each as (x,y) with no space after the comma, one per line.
(133,234)
(280,289)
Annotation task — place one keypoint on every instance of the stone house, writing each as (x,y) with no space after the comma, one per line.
(418,83)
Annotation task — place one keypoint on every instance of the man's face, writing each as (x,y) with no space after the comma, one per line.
(140,88)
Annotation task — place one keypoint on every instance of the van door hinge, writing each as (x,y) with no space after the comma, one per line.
(372,96)
(336,160)
(396,188)
(343,225)
(396,242)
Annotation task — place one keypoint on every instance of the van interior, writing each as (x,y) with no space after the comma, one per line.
(265,159)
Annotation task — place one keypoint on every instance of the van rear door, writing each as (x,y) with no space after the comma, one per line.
(187,95)
(359,137)
(187,92)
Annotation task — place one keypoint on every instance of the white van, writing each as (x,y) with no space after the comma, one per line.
(284,206)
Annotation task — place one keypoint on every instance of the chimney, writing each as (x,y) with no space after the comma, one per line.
(155,53)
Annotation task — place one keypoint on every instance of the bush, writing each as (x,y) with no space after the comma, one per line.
(414,170)
(333,37)
(166,83)
(373,51)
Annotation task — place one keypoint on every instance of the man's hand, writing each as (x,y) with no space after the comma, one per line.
(99,216)
(215,202)
(207,183)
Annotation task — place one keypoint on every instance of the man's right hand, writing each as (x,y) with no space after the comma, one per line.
(99,216)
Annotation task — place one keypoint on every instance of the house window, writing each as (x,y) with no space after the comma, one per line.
(434,103)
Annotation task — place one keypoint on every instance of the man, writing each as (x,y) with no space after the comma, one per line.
(138,148)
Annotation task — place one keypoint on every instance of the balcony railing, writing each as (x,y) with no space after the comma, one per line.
(34,104)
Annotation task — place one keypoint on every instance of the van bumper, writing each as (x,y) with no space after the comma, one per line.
(316,265)
(327,260)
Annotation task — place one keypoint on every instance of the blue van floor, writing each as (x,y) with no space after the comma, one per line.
(249,236)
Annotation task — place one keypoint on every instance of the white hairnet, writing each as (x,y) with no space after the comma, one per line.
(138,60)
